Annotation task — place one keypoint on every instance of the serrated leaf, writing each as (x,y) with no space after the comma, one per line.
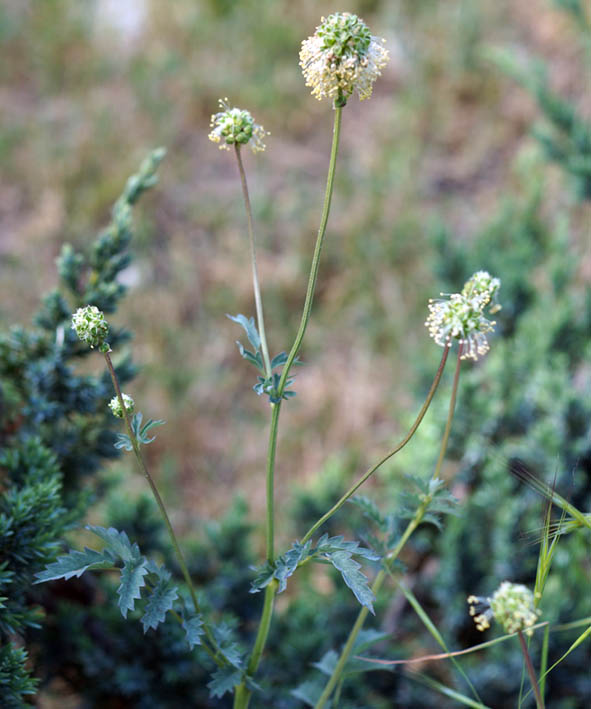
(309,692)
(224,680)
(370,510)
(250,329)
(285,565)
(116,542)
(159,603)
(132,580)
(328,545)
(263,577)
(75,563)
(328,663)
(367,638)
(224,636)
(353,577)
(193,628)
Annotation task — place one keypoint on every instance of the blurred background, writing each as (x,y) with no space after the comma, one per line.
(87,88)
(444,159)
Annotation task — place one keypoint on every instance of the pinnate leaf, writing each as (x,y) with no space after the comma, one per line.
(132,580)
(224,680)
(193,628)
(159,603)
(353,577)
(75,563)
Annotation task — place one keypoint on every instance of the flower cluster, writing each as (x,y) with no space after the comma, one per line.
(512,605)
(342,56)
(462,316)
(115,405)
(234,126)
(90,325)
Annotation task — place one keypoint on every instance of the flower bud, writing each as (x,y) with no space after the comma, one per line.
(115,405)
(235,126)
(90,325)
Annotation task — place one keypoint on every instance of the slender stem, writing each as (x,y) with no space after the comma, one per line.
(393,554)
(317,250)
(353,489)
(136,449)
(243,693)
(358,625)
(275,409)
(530,671)
(253,257)
(450,415)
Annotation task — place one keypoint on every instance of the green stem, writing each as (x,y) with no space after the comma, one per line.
(317,250)
(275,409)
(243,693)
(530,671)
(159,501)
(393,554)
(353,489)
(450,415)
(253,257)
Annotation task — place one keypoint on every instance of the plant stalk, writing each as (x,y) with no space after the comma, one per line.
(253,258)
(392,555)
(160,503)
(353,489)
(530,671)
(317,250)
(243,693)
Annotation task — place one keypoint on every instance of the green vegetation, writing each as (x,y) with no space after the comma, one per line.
(469,157)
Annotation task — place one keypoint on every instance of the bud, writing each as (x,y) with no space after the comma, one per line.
(90,326)
(341,57)
(512,605)
(235,126)
(461,317)
(115,405)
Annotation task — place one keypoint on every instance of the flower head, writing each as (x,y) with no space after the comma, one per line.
(461,317)
(235,126)
(512,605)
(90,326)
(342,56)
(115,405)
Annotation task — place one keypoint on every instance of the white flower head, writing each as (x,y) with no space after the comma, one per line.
(115,405)
(342,56)
(90,325)
(512,605)
(461,317)
(233,126)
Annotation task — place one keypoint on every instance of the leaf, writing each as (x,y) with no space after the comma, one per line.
(278,360)
(250,329)
(224,636)
(123,441)
(370,510)
(132,580)
(327,545)
(367,638)
(193,628)
(75,563)
(224,680)
(309,692)
(285,565)
(116,542)
(142,437)
(255,359)
(328,663)
(353,577)
(263,577)
(159,603)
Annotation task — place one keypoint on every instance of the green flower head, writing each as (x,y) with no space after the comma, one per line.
(342,56)
(461,317)
(90,325)
(234,126)
(512,605)
(115,405)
